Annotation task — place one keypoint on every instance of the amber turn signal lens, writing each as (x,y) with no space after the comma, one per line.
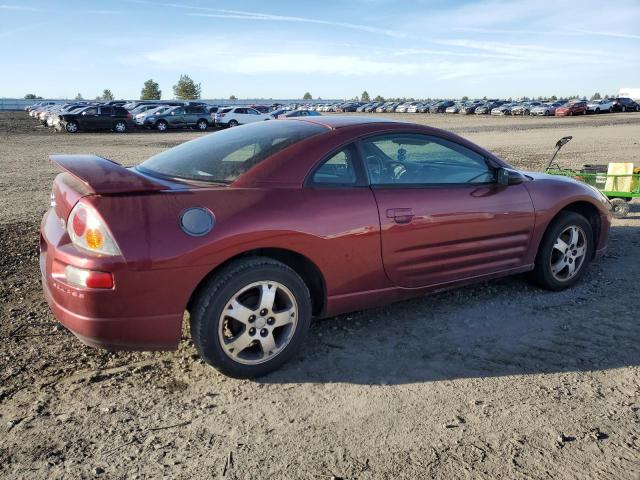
(94,238)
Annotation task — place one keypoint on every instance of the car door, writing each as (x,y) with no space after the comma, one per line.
(88,119)
(443,216)
(253,115)
(105,117)
(176,117)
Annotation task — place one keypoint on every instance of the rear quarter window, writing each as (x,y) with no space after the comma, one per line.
(224,156)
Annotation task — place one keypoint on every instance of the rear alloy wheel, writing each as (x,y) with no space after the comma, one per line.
(233,123)
(72,127)
(202,125)
(565,251)
(162,126)
(251,317)
(619,207)
(120,127)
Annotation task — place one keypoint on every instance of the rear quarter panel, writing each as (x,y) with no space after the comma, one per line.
(336,229)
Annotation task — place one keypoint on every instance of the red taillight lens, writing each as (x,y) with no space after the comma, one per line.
(88,230)
(80,222)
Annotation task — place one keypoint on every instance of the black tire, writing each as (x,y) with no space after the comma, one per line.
(233,123)
(162,126)
(120,126)
(202,125)
(207,308)
(72,127)
(542,273)
(619,207)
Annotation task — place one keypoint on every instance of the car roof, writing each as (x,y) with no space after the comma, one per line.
(339,121)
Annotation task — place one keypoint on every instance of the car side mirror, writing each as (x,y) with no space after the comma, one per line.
(506,177)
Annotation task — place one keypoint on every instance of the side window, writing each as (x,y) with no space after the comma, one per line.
(241,110)
(338,169)
(253,111)
(414,159)
(106,111)
(91,111)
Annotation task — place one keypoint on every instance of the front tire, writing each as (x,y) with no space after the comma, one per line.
(565,252)
(162,126)
(72,127)
(251,317)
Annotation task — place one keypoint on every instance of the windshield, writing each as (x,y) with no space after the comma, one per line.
(223,156)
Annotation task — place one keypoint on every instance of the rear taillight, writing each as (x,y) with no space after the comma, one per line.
(81,277)
(89,232)
(221,115)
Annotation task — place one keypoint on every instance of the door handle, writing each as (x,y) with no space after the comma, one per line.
(400,215)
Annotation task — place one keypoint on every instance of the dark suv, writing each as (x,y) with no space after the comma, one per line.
(96,117)
(195,116)
(623,104)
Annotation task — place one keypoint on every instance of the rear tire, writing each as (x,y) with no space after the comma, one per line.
(564,253)
(202,125)
(272,308)
(233,123)
(619,207)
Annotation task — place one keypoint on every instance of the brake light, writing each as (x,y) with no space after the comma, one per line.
(88,231)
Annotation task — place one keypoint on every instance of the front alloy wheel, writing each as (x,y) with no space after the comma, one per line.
(568,253)
(565,251)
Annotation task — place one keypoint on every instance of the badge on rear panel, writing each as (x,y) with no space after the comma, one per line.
(196,221)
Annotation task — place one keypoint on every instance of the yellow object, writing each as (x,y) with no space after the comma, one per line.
(94,238)
(619,184)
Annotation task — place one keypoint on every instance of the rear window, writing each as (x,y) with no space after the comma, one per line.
(223,156)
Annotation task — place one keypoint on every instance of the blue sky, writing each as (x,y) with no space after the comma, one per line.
(333,49)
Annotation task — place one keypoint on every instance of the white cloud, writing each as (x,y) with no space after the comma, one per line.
(20,8)
(246,15)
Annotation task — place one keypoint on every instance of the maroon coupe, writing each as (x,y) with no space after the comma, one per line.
(255,230)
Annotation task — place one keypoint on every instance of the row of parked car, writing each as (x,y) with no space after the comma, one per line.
(121,116)
(484,107)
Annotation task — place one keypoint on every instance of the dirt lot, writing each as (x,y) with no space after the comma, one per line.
(500,380)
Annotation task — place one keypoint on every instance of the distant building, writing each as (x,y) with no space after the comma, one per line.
(632,93)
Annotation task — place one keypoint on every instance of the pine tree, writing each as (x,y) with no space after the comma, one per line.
(150,91)
(186,88)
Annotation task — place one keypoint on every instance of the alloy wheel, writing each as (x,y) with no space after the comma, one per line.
(568,253)
(258,322)
(120,127)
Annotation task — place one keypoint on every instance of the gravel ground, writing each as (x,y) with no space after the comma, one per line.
(499,380)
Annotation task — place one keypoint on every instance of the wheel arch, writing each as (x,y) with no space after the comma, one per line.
(587,210)
(302,265)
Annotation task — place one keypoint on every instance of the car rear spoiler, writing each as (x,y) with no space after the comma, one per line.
(103,177)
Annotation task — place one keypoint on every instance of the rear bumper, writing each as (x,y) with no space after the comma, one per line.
(126,317)
(138,333)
